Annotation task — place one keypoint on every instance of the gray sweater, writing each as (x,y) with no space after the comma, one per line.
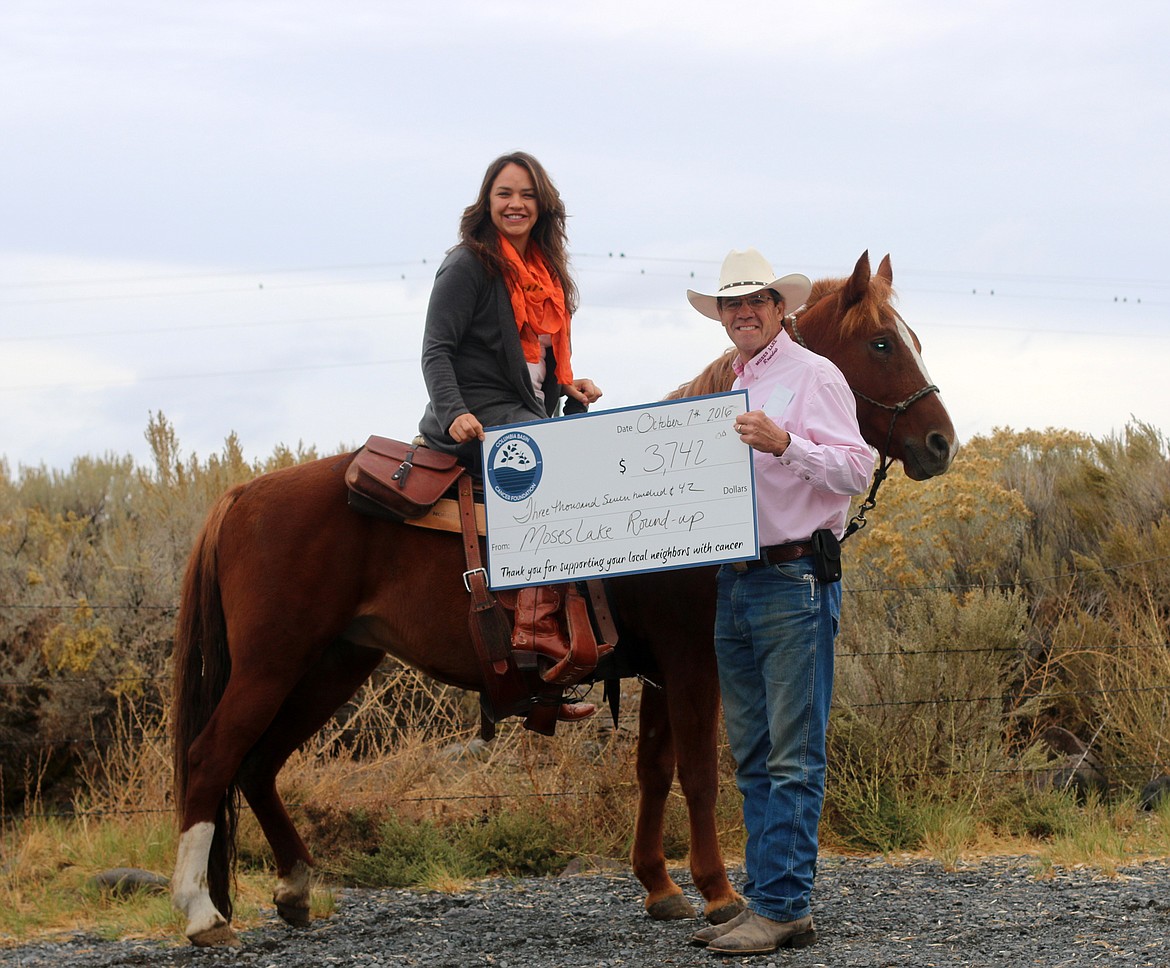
(472,360)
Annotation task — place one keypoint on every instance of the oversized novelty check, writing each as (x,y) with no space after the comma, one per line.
(667,485)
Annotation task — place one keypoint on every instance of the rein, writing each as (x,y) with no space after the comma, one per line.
(857,522)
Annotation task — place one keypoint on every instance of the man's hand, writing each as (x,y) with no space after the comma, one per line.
(758,430)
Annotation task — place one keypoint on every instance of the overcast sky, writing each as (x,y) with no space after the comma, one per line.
(231,212)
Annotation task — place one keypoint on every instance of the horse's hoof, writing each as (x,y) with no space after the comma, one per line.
(726,911)
(292,896)
(294,914)
(219,936)
(673,907)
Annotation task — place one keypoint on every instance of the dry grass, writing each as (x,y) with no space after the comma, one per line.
(415,762)
(1026,589)
(381,768)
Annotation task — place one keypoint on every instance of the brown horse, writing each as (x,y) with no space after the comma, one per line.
(291,599)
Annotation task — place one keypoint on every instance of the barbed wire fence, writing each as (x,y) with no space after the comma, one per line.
(339,730)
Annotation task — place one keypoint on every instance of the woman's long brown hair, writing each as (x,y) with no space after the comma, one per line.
(477,232)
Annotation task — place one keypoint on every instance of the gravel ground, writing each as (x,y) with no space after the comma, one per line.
(869,913)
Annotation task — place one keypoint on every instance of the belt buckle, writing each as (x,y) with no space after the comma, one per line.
(740,566)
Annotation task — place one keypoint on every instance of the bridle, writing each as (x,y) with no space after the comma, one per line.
(857,522)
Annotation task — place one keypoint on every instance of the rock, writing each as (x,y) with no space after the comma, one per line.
(475,749)
(1154,793)
(1079,771)
(995,913)
(124,881)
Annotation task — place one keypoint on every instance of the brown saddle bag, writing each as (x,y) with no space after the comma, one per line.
(392,479)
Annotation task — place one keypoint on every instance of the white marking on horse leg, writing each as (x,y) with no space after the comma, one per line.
(189,885)
(293,889)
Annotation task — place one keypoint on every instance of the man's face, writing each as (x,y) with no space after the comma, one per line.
(752,321)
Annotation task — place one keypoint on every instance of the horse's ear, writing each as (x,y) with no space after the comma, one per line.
(885,270)
(858,284)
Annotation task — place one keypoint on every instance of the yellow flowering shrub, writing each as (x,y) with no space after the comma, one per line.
(74,645)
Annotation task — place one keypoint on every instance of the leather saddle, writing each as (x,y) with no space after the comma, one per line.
(526,674)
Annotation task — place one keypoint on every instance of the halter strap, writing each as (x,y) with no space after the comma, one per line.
(857,522)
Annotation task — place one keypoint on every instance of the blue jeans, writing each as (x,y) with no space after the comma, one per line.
(774,632)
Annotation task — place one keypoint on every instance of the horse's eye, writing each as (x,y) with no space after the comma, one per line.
(881,345)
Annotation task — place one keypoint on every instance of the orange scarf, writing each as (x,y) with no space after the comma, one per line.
(538,302)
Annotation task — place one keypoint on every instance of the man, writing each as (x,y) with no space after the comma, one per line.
(776,619)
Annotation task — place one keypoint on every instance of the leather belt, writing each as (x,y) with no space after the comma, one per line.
(775,554)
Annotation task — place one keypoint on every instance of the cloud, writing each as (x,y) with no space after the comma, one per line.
(194,181)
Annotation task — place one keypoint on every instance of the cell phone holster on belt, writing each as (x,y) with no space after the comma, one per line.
(826,555)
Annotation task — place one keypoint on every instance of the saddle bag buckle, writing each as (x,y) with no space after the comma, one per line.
(402,473)
(467,577)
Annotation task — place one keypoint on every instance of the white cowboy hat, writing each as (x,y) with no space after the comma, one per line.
(747,272)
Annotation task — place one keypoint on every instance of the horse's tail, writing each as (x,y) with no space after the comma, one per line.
(202,666)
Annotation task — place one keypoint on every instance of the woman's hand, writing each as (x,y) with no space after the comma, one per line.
(464,428)
(583,391)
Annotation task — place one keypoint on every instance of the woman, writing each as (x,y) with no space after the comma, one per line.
(497,348)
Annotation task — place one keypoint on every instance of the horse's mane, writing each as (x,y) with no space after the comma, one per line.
(862,317)
(718,375)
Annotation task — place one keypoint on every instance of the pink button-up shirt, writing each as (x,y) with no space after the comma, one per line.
(809,486)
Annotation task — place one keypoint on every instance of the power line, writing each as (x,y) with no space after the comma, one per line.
(197,327)
(207,374)
(169,294)
(600,260)
(158,331)
(208,274)
(981,279)
(903,270)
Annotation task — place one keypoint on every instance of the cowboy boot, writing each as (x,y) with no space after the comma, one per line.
(704,936)
(572,712)
(758,935)
(584,650)
(543,719)
(537,627)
